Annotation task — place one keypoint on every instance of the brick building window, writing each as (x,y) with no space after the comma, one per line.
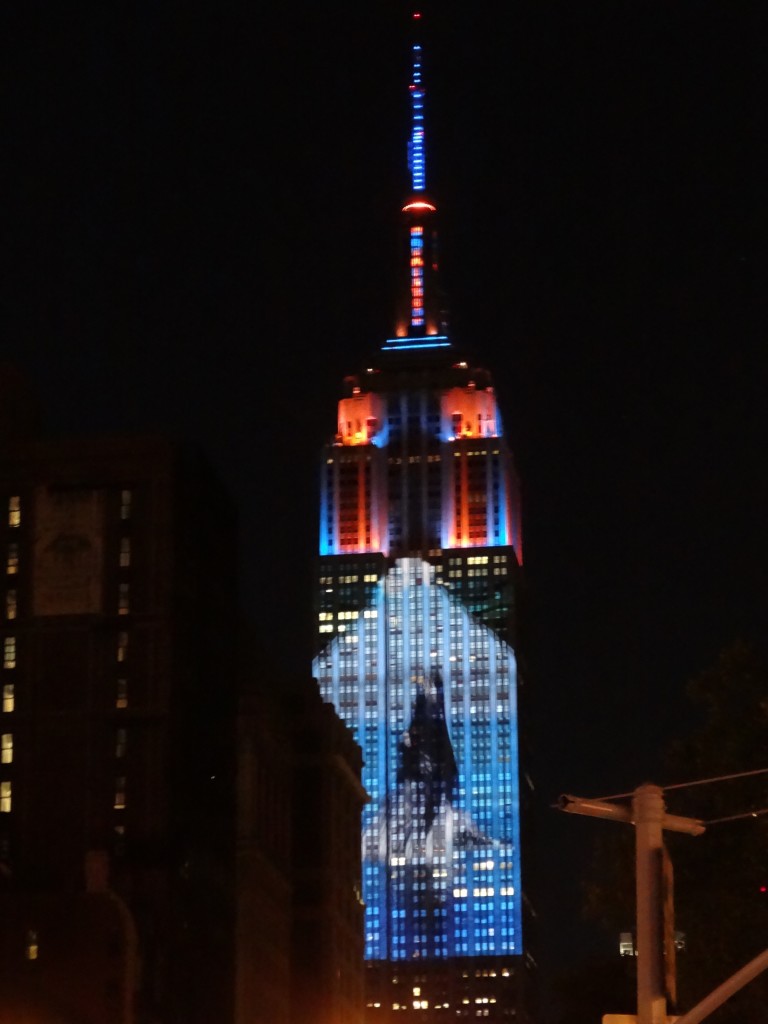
(126,500)
(119,804)
(12,560)
(121,700)
(9,652)
(125,552)
(14,511)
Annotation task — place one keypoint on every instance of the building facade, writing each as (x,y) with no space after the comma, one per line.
(117,721)
(419,568)
(300,910)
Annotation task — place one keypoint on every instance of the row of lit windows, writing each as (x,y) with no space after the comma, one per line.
(8,698)
(369,577)
(6,794)
(9,662)
(368,613)
(12,568)
(11,606)
(397,460)
(505,890)
(424,1005)
(14,507)
(477,560)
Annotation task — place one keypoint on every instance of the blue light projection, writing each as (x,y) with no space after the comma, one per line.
(430,695)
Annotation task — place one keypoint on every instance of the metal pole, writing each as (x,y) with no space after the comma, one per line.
(648,808)
(723,992)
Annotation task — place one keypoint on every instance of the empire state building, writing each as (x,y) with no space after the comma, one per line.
(420,555)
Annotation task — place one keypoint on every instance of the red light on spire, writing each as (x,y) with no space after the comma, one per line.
(416,14)
(419,204)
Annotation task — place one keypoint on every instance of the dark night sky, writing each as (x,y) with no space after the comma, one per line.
(200,217)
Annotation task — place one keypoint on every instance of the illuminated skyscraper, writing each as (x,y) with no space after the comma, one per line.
(419,560)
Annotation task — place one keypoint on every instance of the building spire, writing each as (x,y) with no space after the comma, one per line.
(421,321)
(416,155)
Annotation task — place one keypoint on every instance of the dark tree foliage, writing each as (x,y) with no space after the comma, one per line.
(608,892)
(721,903)
(721,876)
(599,986)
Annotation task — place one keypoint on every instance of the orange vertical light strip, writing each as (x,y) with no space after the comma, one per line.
(464,490)
(361,512)
(514,520)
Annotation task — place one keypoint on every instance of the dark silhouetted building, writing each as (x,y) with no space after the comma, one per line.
(300,910)
(264,854)
(117,724)
(179,825)
(327,943)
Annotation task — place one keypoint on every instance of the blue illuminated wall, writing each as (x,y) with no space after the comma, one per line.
(417,666)
(430,694)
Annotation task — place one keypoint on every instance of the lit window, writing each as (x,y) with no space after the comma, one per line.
(9,652)
(31,949)
(10,604)
(626,944)
(8,697)
(121,701)
(5,797)
(123,599)
(119,803)
(122,646)
(121,739)
(125,552)
(125,504)
(12,560)
(6,748)
(14,511)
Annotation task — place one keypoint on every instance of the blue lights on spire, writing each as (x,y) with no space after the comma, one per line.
(416,163)
(420,314)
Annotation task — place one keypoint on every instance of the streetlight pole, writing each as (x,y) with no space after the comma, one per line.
(648,815)
(648,812)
